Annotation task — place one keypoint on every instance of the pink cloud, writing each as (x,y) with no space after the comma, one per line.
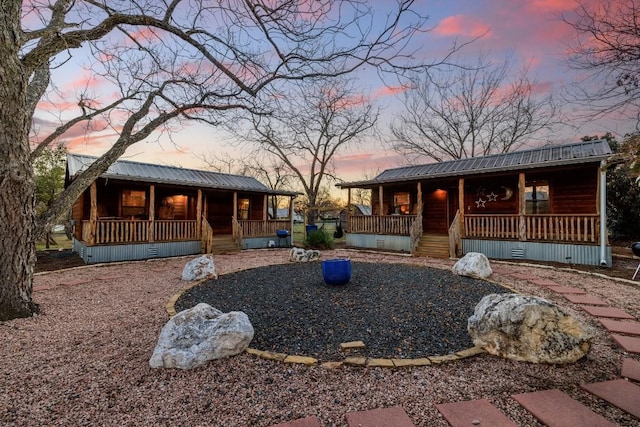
(552,5)
(389,91)
(462,25)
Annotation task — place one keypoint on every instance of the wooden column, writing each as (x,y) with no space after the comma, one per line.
(235,205)
(522,208)
(598,190)
(265,209)
(348,205)
(461,206)
(93,213)
(380,201)
(419,201)
(152,213)
(199,214)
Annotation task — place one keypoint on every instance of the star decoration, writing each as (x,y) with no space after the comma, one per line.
(480,203)
(492,197)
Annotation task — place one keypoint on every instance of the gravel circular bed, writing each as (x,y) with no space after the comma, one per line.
(398,310)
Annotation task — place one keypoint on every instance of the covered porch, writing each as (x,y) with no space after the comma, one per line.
(553,213)
(121,219)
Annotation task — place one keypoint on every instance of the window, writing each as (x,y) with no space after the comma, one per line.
(133,203)
(401,203)
(243,209)
(537,197)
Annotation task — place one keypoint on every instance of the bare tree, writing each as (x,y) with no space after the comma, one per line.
(470,111)
(269,170)
(166,61)
(606,48)
(308,127)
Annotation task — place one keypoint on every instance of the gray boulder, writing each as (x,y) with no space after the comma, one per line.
(200,268)
(473,264)
(528,328)
(195,336)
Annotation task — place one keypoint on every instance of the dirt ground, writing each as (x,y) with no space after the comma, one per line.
(624,263)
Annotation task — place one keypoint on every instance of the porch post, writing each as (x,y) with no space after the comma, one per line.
(461,206)
(380,201)
(235,205)
(199,214)
(93,213)
(265,209)
(419,201)
(603,212)
(152,213)
(522,208)
(291,216)
(348,208)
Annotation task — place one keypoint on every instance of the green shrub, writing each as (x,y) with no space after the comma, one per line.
(319,239)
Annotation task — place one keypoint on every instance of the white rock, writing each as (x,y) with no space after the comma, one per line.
(195,336)
(200,268)
(301,255)
(473,264)
(528,328)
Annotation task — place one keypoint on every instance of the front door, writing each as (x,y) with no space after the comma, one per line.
(435,214)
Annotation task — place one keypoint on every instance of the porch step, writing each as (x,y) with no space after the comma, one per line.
(433,245)
(223,243)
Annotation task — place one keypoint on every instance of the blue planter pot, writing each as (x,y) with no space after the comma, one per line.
(336,271)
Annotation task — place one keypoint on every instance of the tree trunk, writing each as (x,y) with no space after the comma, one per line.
(17,211)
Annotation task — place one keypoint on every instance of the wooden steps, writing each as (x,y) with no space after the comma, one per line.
(433,245)
(223,243)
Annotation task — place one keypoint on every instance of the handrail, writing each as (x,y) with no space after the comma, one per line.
(415,232)
(206,239)
(236,232)
(455,236)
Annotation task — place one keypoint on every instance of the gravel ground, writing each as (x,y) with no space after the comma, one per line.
(84,361)
(293,311)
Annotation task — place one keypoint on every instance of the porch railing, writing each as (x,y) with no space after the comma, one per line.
(455,246)
(206,240)
(386,224)
(110,231)
(565,228)
(258,228)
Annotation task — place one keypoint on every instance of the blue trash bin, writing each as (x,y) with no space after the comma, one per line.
(311,228)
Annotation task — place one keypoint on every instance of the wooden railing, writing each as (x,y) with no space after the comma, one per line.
(563,228)
(572,228)
(387,224)
(258,228)
(491,226)
(109,231)
(455,240)
(206,240)
(236,232)
(415,232)
(172,230)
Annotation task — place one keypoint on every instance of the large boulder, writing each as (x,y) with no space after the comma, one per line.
(200,268)
(528,328)
(195,336)
(473,264)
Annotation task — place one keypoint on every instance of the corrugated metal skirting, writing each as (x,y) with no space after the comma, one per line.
(112,253)
(535,251)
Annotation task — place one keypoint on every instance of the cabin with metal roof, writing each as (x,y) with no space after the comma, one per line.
(139,210)
(545,204)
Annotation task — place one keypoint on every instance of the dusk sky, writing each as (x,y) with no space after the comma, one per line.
(529,30)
